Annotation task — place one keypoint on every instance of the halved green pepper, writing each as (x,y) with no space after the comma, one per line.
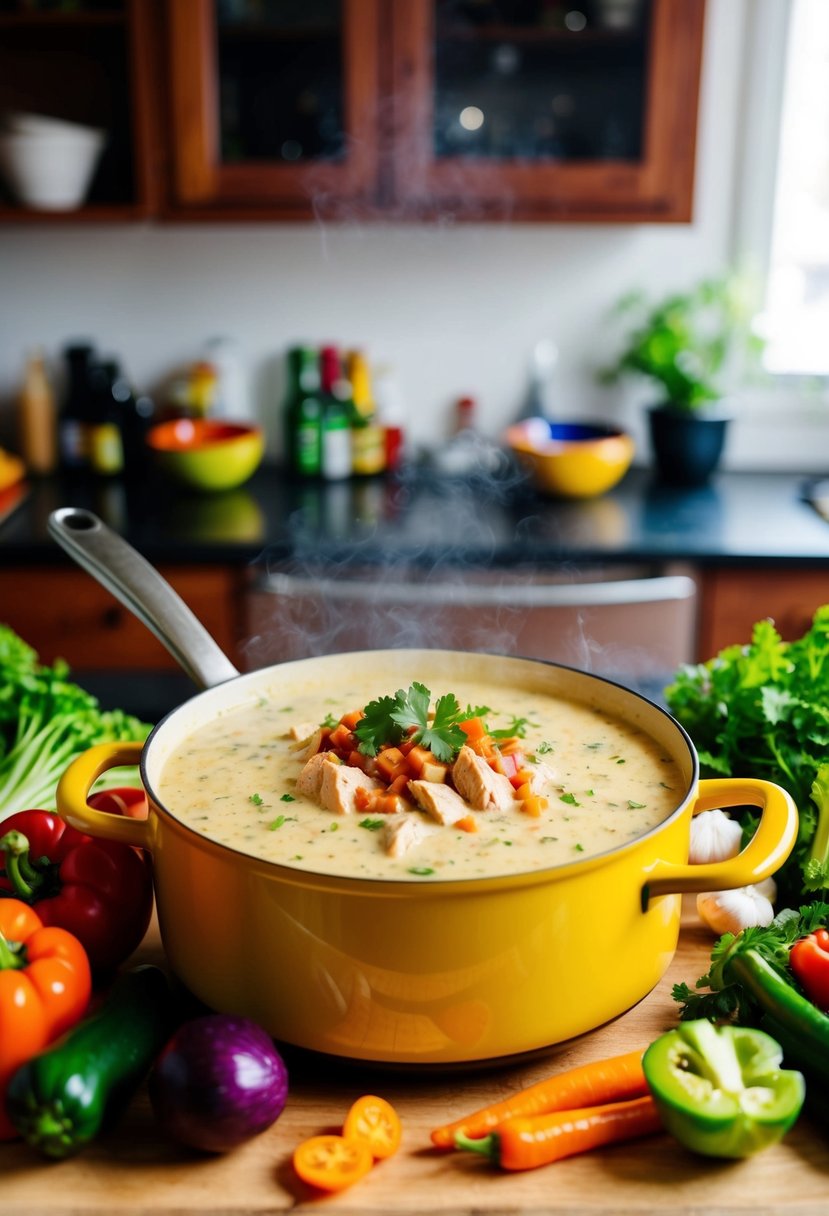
(720,1089)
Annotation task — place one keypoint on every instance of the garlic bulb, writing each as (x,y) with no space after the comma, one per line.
(731,911)
(715,836)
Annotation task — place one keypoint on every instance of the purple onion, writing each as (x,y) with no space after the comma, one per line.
(218,1082)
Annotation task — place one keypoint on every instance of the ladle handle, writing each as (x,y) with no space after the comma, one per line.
(120,568)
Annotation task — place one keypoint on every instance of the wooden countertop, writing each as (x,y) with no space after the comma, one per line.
(133,1170)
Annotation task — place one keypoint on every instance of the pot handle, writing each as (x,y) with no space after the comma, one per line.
(768,848)
(121,569)
(73,791)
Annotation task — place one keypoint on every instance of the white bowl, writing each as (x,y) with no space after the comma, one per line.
(51,170)
(21,122)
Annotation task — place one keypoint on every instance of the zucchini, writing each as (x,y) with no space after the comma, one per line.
(63,1097)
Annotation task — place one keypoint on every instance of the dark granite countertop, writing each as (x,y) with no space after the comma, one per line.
(739,518)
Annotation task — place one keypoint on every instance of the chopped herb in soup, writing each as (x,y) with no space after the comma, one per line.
(410,784)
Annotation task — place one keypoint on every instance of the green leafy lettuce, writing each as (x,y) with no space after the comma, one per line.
(762,710)
(46,720)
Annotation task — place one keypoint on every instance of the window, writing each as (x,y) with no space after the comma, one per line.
(796,314)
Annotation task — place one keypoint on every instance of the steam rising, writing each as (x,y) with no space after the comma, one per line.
(448,566)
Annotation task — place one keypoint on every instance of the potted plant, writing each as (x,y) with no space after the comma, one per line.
(692,345)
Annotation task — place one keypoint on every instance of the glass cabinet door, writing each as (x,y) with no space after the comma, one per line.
(546,108)
(273,101)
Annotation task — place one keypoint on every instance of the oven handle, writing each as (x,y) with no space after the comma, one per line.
(656,589)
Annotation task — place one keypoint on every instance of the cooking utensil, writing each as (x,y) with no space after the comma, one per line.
(404,972)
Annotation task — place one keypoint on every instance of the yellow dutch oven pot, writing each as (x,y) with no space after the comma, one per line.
(404,971)
(441,972)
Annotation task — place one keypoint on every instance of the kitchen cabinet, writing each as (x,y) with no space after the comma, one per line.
(473,109)
(63,613)
(734,598)
(367,109)
(94,63)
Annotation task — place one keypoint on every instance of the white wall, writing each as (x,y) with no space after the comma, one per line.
(456,310)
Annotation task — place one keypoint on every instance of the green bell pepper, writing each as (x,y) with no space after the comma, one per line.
(720,1089)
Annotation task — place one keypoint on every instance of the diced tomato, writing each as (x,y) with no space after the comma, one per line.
(357,760)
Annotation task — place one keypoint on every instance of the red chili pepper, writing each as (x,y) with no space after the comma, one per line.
(809,960)
(99,890)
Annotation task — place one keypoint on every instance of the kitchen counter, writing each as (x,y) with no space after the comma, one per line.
(134,1170)
(738,518)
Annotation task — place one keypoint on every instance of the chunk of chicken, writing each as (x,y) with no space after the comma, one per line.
(440,802)
(309,781)
(544,778)
(310,745)
(339,786)
(300,731)
(402,832)
(481,786)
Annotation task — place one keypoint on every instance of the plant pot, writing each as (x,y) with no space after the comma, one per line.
(687,446)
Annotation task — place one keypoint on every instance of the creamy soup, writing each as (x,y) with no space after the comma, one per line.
(602,782)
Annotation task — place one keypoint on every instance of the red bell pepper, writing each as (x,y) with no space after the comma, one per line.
(45,985)
(809,961)
(99,890)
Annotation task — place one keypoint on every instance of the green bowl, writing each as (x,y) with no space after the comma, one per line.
(205,453)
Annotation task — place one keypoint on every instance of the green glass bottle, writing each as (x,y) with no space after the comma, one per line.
(303,413)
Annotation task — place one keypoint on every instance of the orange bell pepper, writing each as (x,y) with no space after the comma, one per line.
(45,986)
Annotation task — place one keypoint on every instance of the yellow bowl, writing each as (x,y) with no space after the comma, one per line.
(206,453)
(571,459)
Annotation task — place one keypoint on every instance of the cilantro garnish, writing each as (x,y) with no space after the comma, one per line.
(371,825)
(287,798)
(421,871)
(570,799)
(256,799)
(517,727)
(543,748)
(277,823)
(389,719)
(635,806)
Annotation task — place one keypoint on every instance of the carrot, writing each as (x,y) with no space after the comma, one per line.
(467,824)
(533,805)
(524,1144)
(473,728)
(342,738)
(417,757)
(590,1084)
(349,721)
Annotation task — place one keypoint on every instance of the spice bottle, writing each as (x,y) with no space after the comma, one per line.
(37,418)
(368,447)
(106,444)
(336,417)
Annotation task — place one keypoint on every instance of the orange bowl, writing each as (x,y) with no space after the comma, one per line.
(207,453)
(571,459)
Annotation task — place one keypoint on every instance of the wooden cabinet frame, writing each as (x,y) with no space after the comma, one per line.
(658,188)
(200,180)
